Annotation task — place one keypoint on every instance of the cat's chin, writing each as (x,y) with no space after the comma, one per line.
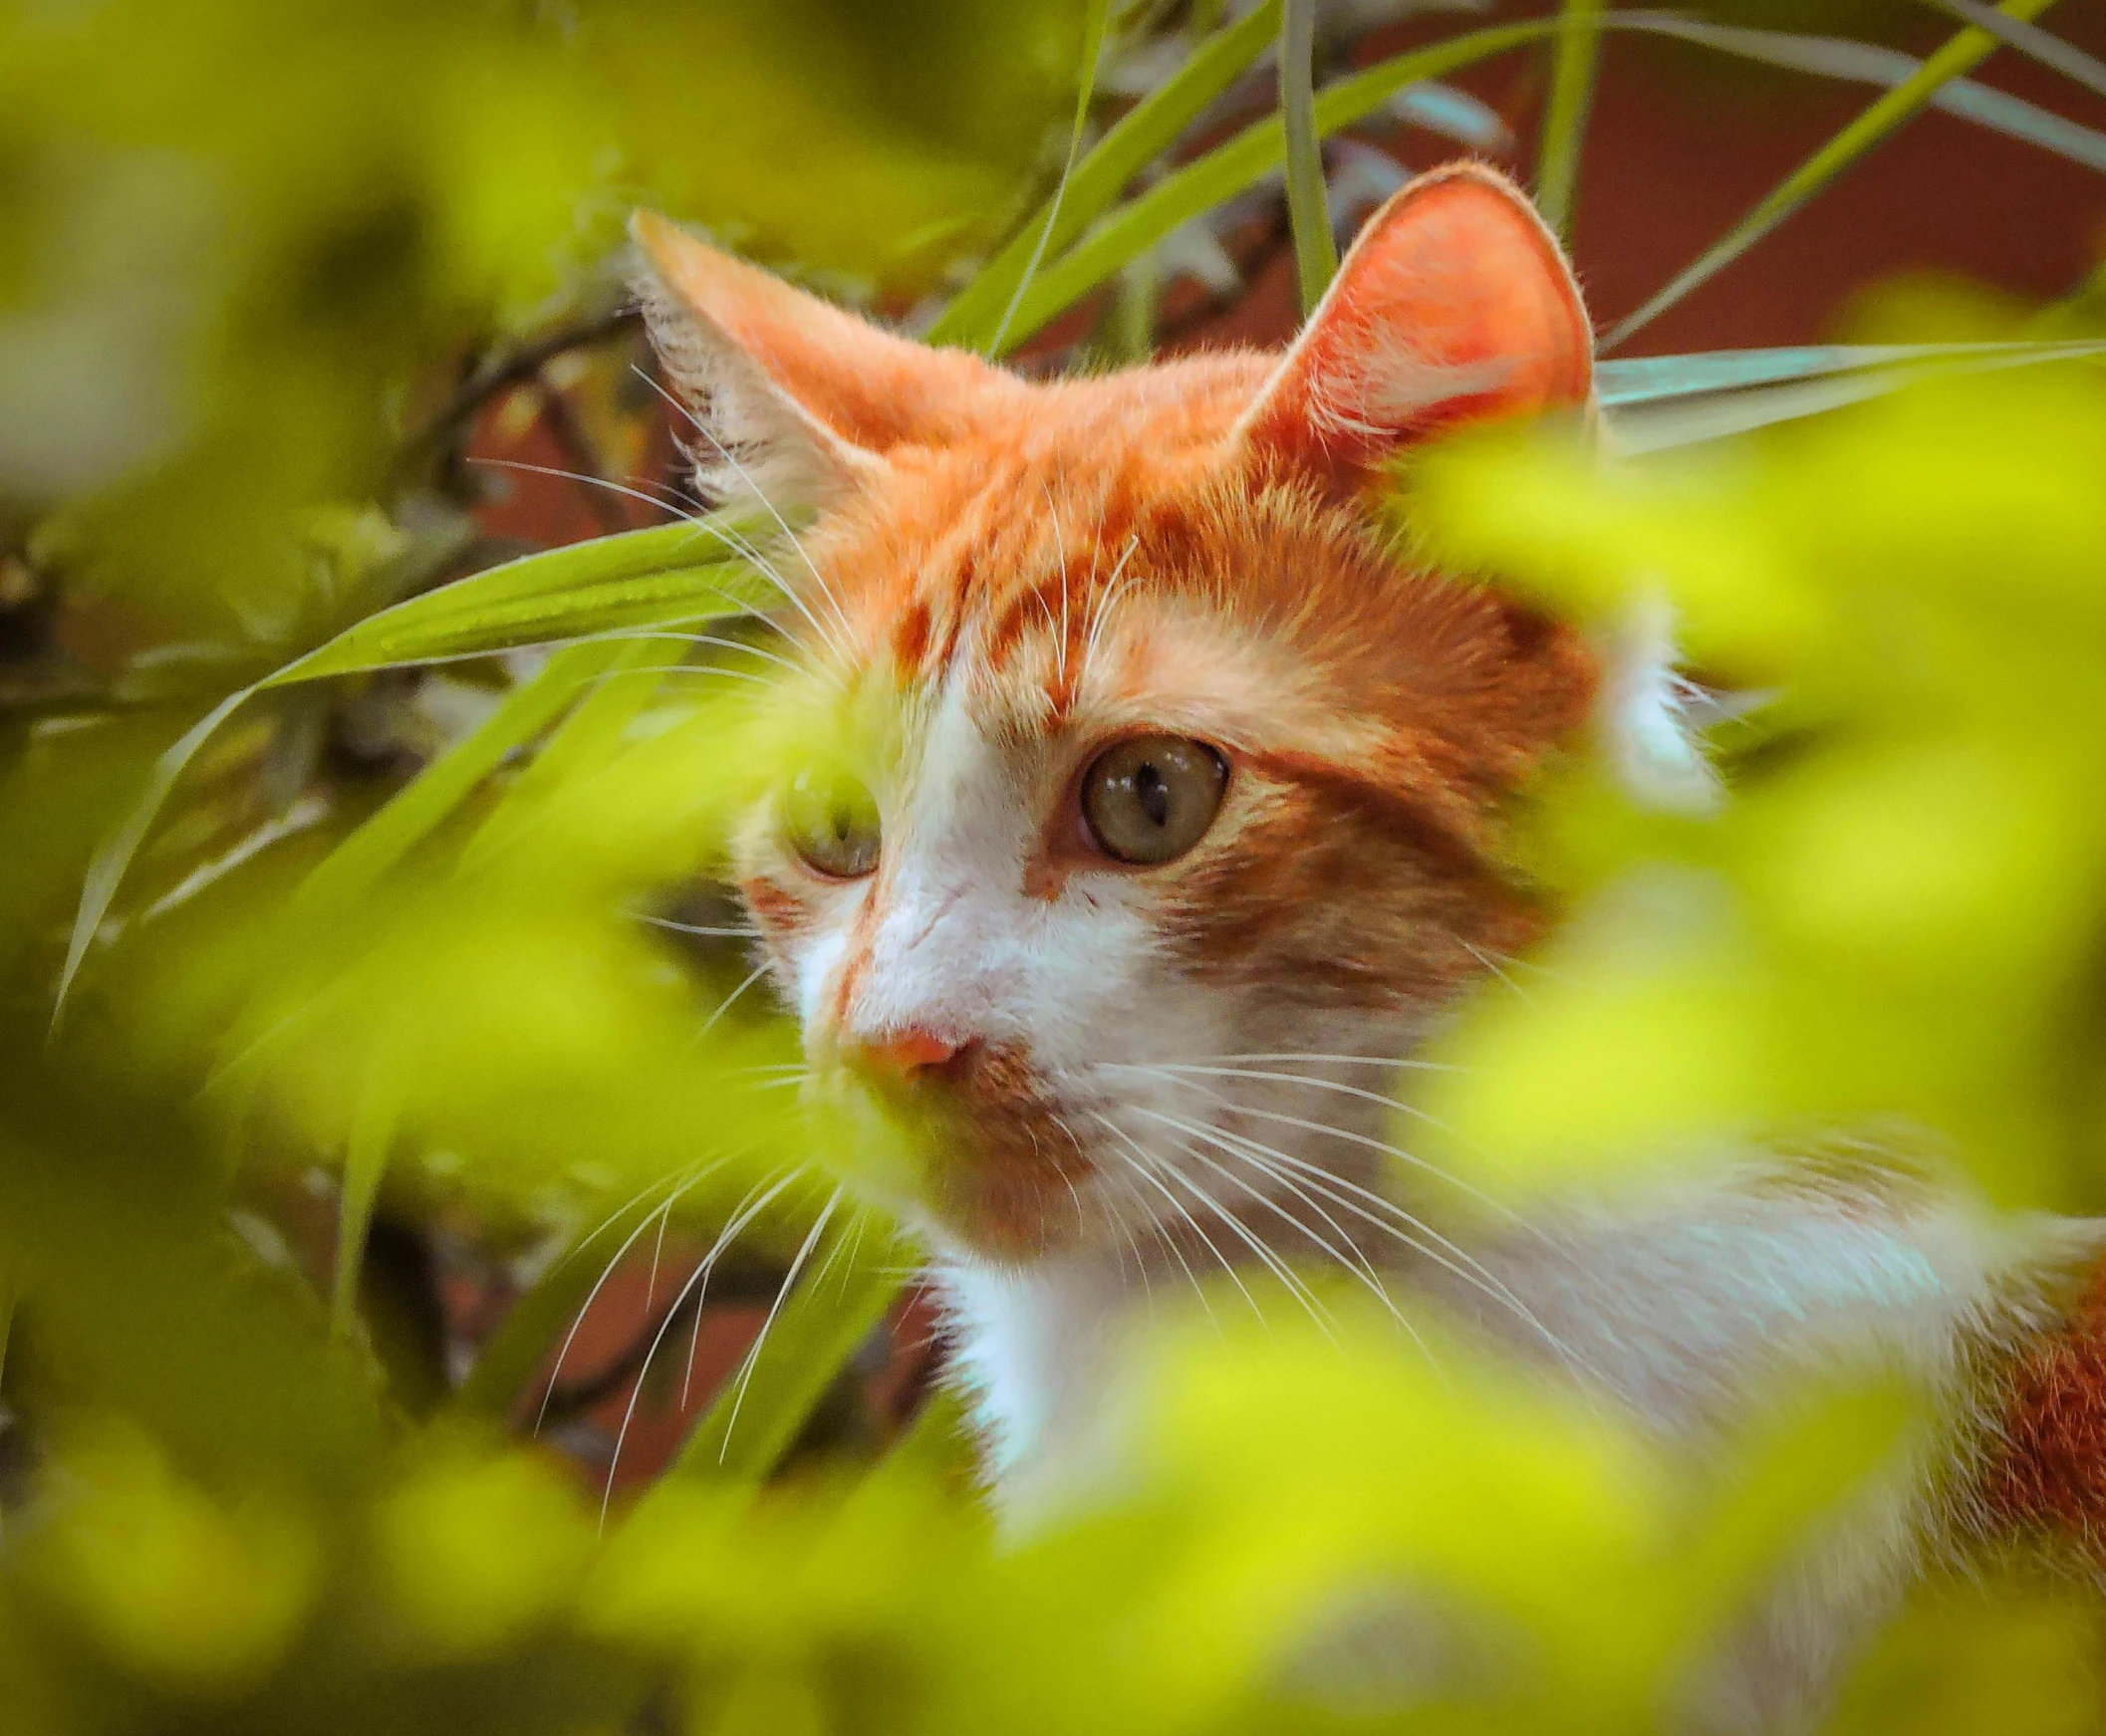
(1005,1220)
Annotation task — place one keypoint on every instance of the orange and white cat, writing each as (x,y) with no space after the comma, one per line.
(1194,833)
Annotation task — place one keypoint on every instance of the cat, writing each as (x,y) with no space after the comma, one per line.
(1195,834)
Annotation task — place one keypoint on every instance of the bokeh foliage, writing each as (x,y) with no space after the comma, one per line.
(415,920)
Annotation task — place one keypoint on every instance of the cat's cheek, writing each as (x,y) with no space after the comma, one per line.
(784,918)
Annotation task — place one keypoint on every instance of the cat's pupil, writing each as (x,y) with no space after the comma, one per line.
(1152,793)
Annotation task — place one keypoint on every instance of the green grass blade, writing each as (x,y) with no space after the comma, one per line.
(1666,422)
(1565,118)
(1141,136)
(1960,54)
(1308,202)
(1833,57)
(2029,40)
(588,737)
(1654,378)
(634,579)
(512,1358)
(592,587)
(1240,162)
(818,1327)
(1086,89)
(373,1126)
(105,868)
(424,803)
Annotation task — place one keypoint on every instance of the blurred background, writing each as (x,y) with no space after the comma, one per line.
(382,1068)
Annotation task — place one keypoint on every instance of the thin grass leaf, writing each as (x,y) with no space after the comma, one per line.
(1572,71)
(1865,62)
(1960,54)
(373,1126)
(1437,107)
(633,580)
(357,863)
(1141,136)
(824,1321)
(1240,162)
(538,599)
(513,1356)
(1308,204)
(2029,40)
(1665,421)
(585,739)
(1651,379)
(1092,54)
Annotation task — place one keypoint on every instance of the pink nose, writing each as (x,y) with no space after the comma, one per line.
(908,1052)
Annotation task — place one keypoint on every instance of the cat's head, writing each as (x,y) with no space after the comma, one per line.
(1191,820)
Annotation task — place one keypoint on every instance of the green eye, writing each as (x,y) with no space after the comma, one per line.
(1152,798)
(831,821)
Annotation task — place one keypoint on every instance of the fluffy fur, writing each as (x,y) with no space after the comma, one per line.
(1136,1075)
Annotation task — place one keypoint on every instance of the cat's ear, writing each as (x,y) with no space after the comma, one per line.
(816,394)
(736,344)
(1454,304)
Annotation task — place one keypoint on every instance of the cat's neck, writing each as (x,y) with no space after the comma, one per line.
(1681,1308)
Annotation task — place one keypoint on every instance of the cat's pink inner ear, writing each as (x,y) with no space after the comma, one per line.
(863,384)
(1454,304)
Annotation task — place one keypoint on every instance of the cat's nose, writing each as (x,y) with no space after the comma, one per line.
(906,1054)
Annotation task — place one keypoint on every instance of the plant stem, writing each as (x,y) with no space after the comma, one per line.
(1308,210)
(1577,54)
(1960,56)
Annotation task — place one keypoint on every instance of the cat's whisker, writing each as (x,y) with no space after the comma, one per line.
(1268,1255)
(1146,1168)
(1310,1079)
(760,1339)
(1349,1255)
(587,479)
(705,931)
(1425,1166)
(725,1006)
(1133,1170)
(693,1175)
(1101,612)
(1486,959)
(711,673)
(1410,1232)
(1273,1260)
(696,1283)
(1396,1063)
(740,471)
(1269,1160)
(739,545)
(751,651)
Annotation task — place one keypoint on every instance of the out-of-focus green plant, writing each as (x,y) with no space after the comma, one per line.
(1896,920)
(391,842)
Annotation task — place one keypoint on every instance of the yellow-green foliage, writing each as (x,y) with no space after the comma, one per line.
(1895,921)
(247,252)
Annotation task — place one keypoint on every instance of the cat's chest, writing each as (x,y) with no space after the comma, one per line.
(1035,1353)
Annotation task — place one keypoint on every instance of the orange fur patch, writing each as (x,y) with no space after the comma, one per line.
(2046,1473)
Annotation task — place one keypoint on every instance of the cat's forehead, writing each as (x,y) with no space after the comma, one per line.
(1072,594)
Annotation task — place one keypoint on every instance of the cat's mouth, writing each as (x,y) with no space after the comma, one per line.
(1005,1165)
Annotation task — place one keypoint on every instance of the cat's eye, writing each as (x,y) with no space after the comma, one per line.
(1152,798)
(831,821)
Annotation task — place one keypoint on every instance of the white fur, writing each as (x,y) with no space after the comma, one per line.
(1684,1306)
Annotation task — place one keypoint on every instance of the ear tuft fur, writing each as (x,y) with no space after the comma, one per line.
(1453,305)
(1643,718)
(753,443)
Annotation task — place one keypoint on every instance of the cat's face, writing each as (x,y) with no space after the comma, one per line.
(1186,818)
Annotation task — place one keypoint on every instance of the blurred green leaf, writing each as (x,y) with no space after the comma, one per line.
(972,318)
(1231,167)
(1891,113)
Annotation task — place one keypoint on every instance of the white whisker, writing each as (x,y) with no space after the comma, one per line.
(745,1373)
